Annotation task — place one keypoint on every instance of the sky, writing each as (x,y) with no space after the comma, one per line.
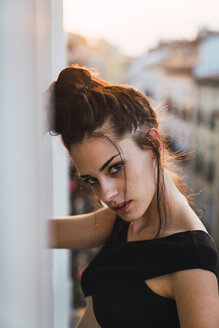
(138,25)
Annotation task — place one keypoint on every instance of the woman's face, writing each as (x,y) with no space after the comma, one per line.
(100,166)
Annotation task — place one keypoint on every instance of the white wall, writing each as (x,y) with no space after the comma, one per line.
(62,285)
(27,195)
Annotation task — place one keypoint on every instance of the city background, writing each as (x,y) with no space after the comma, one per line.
(170,52)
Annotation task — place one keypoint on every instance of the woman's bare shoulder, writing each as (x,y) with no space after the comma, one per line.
(187,222)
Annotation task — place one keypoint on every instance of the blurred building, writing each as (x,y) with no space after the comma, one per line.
(206,164)
(105,59)
(182,77)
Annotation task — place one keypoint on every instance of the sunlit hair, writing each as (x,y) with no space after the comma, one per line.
(81,103)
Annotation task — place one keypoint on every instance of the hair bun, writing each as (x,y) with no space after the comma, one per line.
(72,79)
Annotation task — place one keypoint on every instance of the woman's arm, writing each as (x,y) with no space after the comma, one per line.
(197,299)
(81,231)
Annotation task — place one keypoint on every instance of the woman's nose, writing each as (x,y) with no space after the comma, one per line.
(108,192)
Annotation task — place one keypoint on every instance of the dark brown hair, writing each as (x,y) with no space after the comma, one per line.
(80,103)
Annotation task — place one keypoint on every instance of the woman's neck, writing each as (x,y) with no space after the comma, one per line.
(176,206)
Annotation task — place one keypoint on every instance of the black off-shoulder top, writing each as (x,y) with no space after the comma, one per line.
(115,278)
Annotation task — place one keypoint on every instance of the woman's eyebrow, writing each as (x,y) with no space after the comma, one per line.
(107,163)
(102,167)
(85,176)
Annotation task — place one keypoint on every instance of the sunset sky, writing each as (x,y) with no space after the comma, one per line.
(135,26)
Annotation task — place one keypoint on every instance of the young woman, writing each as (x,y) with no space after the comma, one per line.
(158,264)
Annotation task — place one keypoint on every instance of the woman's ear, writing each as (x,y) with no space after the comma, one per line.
(157,138)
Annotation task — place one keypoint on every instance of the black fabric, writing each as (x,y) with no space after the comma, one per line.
(115,277)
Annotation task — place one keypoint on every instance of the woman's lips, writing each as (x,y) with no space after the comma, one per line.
(124,208)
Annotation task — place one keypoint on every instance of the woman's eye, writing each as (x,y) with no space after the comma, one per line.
(115,168)
(90,181)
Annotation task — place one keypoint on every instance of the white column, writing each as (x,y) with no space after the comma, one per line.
(27,191)
(25,275)
(62,284)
